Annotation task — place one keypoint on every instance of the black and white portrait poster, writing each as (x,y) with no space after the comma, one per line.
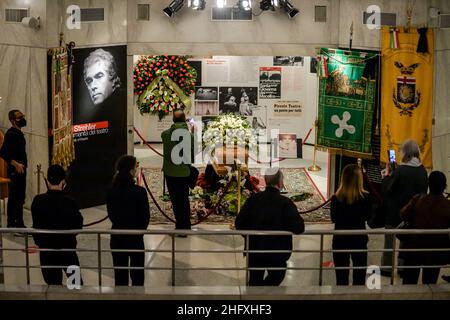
(238,100)
(100,121)
(270,83)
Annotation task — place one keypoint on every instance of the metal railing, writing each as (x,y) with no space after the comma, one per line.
(173,251)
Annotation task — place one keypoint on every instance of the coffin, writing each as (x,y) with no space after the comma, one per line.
(227,156)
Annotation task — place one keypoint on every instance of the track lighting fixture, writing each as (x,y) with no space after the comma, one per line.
(289,8)
(174,7)
(265,5)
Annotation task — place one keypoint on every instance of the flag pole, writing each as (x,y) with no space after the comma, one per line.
(351,37)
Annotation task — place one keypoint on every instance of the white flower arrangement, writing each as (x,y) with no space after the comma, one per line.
(229,129)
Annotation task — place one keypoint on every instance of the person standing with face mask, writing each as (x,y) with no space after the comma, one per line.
(14,153)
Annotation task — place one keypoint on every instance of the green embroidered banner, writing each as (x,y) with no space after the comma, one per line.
(347,92)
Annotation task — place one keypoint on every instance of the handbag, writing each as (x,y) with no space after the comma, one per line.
(193,176)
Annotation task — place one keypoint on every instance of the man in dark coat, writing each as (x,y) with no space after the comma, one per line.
(56,211)
(14,153)
(269,210)
(398,187)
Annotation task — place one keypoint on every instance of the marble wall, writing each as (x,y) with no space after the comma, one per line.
(441,129)
(25,88)
(112,31)
(23,82)
(363,37)
(271,33)
(16,33)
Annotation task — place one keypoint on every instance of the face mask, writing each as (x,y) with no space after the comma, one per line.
(21,123)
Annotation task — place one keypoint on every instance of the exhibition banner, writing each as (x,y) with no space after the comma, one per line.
(100,119)
(287,109)
(407,90)
(347,92)
(61,142)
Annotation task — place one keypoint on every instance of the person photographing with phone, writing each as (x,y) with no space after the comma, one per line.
(400,184)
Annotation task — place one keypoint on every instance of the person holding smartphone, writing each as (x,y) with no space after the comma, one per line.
(399,186)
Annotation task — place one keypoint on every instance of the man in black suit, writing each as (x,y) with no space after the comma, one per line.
(56,211)
(269,210)
(14,153)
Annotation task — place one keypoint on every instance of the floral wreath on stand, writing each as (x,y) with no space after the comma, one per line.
(163,84)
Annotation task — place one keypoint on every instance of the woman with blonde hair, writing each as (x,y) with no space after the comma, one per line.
(351,207)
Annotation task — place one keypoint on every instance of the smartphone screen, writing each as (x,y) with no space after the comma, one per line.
(392,157)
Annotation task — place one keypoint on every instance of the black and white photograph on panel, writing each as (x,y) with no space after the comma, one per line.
(238,100)
(270,82)
(206,108)
(206,93)
(288,61)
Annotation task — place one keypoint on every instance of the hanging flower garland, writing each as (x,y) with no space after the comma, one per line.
(163,83)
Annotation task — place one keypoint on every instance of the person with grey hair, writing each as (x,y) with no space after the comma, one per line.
(269,211)
(399,186)
(101,75)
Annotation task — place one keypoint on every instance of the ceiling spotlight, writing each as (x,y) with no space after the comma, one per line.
(197,4)
(268,5)
(245,5)
(173,8)
(221,3)
(289,8)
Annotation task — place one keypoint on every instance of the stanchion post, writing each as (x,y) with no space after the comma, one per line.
(38,172)
(315,167)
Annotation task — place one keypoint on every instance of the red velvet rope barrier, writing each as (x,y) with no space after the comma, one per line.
(316,208)
(147,144)
(95,222)
(214,209)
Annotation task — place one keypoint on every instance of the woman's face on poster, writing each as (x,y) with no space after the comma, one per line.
(98,82)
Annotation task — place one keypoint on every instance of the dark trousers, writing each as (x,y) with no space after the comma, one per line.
(179,196)
(342,259)
(128,259)
(54,276)
(274,277)
(16,200)
(429,275)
